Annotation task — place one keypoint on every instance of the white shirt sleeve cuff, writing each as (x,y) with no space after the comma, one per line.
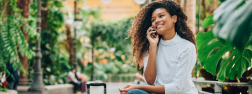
(170,88)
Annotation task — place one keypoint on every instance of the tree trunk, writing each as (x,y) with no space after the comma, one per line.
(191,14)
(44,14)
(182,4)
(45,26)
(204,12)
(24,5)
(69,45)
(215,6)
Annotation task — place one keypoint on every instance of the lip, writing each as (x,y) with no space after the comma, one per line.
(159,26)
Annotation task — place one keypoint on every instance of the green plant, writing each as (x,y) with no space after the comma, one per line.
(225,38)
(55,60)
(111,35)
(12,39)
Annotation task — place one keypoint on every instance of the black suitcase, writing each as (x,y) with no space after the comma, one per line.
(95,84)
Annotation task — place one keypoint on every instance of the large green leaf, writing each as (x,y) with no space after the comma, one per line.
(237,63)
(233,23)
(207,21)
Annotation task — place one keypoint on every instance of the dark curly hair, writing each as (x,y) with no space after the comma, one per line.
(139,42)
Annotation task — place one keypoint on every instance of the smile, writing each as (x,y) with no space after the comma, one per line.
(159,26)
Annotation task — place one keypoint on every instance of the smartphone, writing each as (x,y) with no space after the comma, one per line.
(153,34)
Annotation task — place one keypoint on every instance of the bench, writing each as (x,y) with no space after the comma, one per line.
(50,89)
(218,85)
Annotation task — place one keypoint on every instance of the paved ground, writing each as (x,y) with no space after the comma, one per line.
(112,88)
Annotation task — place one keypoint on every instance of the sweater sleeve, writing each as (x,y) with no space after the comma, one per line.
(187,60)
(145,61)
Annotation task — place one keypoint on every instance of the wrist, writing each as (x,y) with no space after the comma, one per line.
(140,87)
(152,46)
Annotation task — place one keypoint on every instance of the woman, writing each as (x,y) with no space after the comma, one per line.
(169,58)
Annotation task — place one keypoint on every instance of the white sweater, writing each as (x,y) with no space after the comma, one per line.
(174,63)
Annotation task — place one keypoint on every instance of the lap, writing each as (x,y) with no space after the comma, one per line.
(137,91)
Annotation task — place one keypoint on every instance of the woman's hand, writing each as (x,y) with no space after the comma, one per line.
(121,92)
(128,88)
(151,39)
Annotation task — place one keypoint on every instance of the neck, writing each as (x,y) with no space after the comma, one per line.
(169,35)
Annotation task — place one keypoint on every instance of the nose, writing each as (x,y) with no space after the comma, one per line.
(157,20)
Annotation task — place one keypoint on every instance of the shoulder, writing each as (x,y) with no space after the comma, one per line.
(187,46)
(70,73)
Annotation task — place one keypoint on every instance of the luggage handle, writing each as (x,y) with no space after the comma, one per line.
(95,84)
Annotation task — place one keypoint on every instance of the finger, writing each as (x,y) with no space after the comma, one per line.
(124,90)
(149,29)
(120,88)
(149,33)
(153,31)
(127,86)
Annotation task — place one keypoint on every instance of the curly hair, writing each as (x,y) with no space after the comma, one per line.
(139,43)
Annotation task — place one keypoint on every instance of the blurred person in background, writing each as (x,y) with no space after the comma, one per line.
(3,79)
(71,78)
(83,79)
(164,46)
(139,77)
(12,79)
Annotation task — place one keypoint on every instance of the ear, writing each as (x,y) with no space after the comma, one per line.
(174,18)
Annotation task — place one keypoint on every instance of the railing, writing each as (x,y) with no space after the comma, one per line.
(218,85)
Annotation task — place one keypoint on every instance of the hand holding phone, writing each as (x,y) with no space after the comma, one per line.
(153,34)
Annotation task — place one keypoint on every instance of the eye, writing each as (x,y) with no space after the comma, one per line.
(161,16)
(152,20)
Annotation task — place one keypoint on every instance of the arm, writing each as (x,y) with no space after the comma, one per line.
(152,89)
(147,88)
(150,71)
(72,77)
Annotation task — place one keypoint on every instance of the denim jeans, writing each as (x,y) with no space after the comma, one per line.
(137,91)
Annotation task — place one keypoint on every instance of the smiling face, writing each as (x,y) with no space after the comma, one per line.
(163,22)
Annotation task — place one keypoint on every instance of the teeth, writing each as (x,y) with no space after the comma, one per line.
(159,26)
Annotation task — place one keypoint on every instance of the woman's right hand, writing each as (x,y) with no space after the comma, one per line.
(151,39)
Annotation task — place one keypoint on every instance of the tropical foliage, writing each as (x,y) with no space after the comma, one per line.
(112,49)
(12,39)
(55,60)
(231,34)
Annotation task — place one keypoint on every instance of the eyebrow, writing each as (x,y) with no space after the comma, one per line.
(158,14)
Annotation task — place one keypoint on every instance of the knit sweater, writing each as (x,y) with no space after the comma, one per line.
(175,60)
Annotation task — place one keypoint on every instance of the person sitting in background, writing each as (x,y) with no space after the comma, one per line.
(83,78)
(72,79)
(3,79)
(14,79)
(139,77)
